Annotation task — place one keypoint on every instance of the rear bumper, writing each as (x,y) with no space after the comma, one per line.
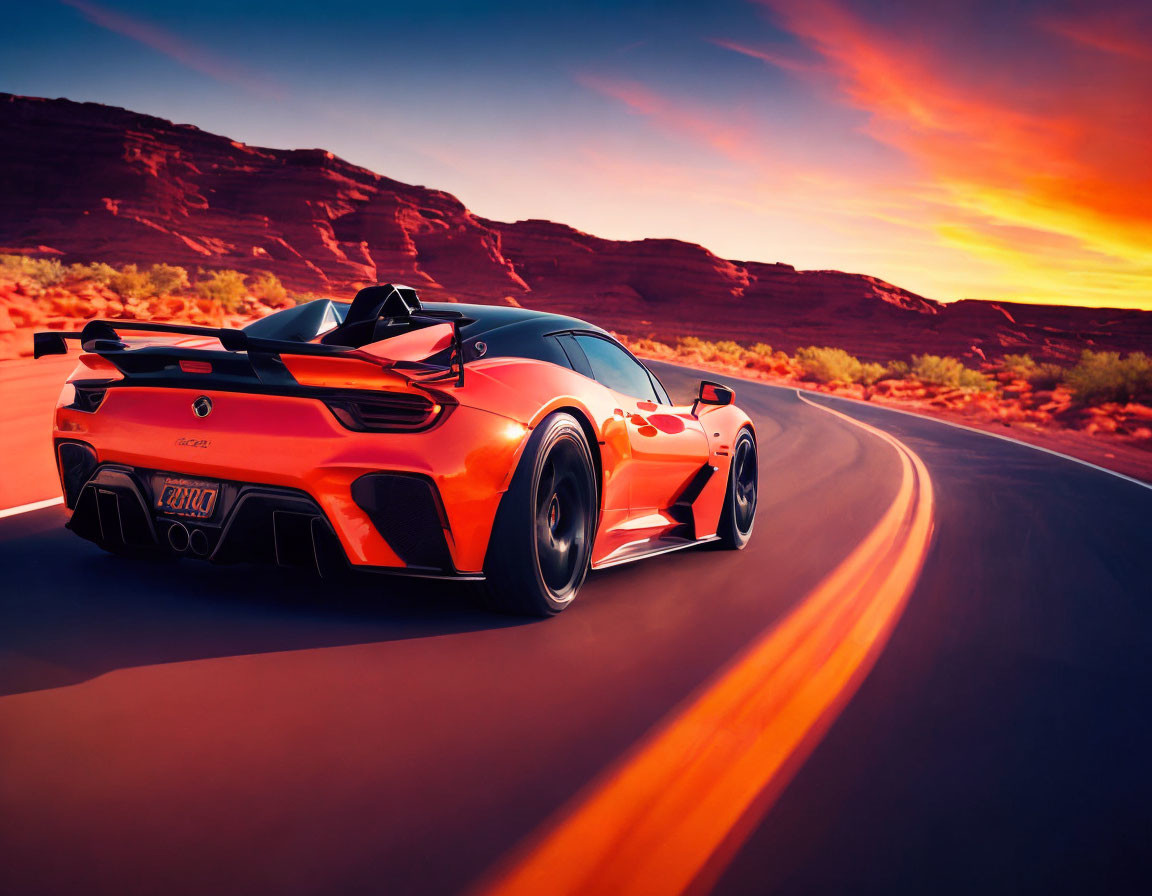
(116,508)
(295,446)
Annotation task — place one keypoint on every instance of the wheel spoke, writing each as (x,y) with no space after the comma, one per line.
(744,485)
(561,517)
(543,532)
(547,486)
(553,565)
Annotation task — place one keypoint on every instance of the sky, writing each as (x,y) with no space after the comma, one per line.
(992,150)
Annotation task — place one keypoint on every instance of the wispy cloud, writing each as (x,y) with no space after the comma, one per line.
(774,57)
(176,48)
(718,132)
(1124,32)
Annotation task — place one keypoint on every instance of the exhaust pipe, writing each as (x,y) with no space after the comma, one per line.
(178,537)
(198,542)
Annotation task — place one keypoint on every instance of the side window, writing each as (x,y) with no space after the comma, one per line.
(616,369)
(661,393)
(575,356)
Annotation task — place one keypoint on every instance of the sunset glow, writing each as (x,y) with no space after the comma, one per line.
(1039,160)
(968,151)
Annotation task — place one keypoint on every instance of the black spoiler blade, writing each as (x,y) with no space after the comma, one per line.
(48,344)
(101,337)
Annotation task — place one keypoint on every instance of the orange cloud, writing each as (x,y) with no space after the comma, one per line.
(1052,140)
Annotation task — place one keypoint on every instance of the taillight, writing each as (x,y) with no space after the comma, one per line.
(388,412)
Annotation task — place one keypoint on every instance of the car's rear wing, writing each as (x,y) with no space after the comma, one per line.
(102,337)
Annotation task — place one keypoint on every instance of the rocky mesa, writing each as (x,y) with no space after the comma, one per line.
(88,182)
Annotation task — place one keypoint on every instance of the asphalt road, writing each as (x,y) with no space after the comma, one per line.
(190,729)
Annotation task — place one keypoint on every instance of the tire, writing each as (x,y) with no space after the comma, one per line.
(739,514)
(541,541)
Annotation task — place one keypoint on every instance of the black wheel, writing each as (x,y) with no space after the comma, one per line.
(739,515)
(542,539)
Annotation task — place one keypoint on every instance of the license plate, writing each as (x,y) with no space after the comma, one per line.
(187,497)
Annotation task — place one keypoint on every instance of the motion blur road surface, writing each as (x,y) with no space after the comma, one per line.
(185,728)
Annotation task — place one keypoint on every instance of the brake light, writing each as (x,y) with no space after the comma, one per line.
(195,366)
(389,412)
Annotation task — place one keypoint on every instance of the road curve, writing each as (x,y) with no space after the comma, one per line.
(190,729)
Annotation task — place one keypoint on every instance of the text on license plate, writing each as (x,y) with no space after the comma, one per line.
(186,498)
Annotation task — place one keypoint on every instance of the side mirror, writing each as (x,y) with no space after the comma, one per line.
(714,394)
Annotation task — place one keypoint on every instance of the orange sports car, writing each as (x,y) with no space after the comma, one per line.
(473,442)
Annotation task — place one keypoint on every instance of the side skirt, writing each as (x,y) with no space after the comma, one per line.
(650,547)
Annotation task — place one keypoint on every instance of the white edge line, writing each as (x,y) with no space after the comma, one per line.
(28,508)
(980,432)
(1091,465)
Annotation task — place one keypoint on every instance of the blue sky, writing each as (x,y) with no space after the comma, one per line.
(980,149)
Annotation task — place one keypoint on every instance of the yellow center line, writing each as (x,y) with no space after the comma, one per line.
(666,820)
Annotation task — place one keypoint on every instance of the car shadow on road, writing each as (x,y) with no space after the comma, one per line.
(70,612)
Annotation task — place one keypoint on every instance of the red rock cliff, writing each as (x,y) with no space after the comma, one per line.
(98,183)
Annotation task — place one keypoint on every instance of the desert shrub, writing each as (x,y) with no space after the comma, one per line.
(223,286)
(166,279)
(899,370)
(827,365)
(1046,375)
(688,344)
(725,351)
(301,298)
(1020,366)
(1102,377)
(43,271)
(96,272)
(939,371)
(762,350)
(129,282)
(871,373)
(644,344)
(268,288)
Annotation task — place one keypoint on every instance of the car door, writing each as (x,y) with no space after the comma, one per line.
(668,445)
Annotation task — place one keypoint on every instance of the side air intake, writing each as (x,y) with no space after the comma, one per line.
(406,511)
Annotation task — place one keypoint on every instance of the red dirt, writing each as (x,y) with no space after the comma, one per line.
(29,392)
(1116,437)
(26,308)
